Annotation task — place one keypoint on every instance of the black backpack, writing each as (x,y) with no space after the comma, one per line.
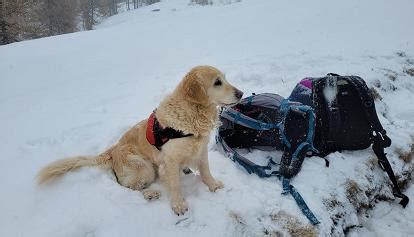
(345,110)
(322,115)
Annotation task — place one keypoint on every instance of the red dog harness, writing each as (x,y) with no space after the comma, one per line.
(157,135)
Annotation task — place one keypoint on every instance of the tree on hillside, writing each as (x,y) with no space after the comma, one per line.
(30,19)
(58,16)
(202,2)
(15,20)
(5,31)
(141,3)
(106,8)
(149,2)
(92,11)
(114,7)
(88,12)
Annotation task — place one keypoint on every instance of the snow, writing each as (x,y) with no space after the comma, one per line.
(388,220)
(77,93)
(330,91)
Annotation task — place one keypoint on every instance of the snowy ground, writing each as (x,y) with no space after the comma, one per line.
(73,94)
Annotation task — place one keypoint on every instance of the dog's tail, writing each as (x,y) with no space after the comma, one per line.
(58,168)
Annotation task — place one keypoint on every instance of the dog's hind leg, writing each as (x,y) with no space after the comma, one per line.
(134,172)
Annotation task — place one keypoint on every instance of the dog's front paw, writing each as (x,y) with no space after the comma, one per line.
(151,194)
(179,207)
(217,184)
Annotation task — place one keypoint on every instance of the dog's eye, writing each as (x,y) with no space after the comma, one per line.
(217,82)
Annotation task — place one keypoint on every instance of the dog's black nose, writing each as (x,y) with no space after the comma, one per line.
(238,94)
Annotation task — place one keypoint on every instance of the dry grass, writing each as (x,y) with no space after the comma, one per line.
(240,223)
(372,162)
(272,233)
(390,74)
(332,203)
(409,71)
(409,61)
(375,94)
(401,54)
(236,218)
(352,188)
(293,226)
(404,178)
(406,156)
(356,195)
(392,77)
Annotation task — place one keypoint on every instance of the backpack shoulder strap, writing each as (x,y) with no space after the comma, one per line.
(334,115)
(249,166)
(385,164)
(263,172)
(290,189)
(380,139)
(368,103)
(239,118)
(294,154)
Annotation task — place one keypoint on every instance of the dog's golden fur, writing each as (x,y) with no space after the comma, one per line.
(191,108)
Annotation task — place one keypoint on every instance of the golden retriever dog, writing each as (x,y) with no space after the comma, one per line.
(191,110)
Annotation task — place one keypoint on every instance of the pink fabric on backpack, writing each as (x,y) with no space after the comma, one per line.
(306,82)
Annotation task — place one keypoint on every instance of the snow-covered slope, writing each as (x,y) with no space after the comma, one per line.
(73,94)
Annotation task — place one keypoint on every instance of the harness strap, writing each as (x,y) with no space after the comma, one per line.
(150,129)
(157,135)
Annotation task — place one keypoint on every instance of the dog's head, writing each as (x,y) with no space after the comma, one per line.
(207,85)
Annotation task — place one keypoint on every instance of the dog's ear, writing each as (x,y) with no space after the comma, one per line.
(193,89)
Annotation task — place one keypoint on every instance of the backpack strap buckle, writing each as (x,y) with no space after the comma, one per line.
(381,139)
(404,199)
